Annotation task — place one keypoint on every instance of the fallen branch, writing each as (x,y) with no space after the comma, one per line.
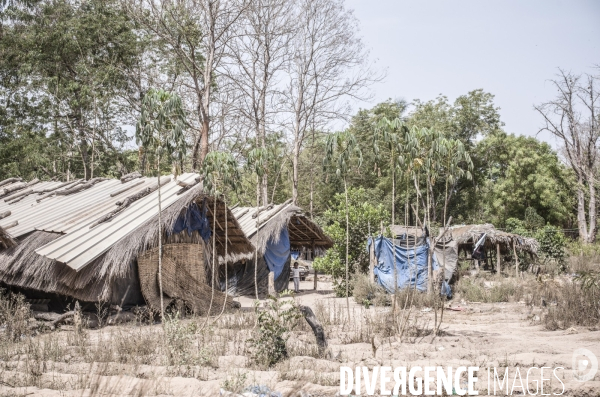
(131,176)
(79,188)
(54,192)
(127,188)
(58,187)
(63,317)
(186,186)
(10,180)
(21,194)
(15,188)
(317,328)
(46,316)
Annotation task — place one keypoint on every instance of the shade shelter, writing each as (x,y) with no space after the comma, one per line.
(495,243)
(96,240)
(275,230)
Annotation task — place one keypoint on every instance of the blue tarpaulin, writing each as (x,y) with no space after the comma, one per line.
(194,219)
(277,254)
(411,265)
(295,255)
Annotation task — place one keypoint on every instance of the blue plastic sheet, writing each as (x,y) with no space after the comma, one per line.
(411,265)
(277,254)
(194,219)
(295,254)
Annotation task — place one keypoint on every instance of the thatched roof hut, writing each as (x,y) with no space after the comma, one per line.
(467,235)
(303,232)
(265,226)
(83,239)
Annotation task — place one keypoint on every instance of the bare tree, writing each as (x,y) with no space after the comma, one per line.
(572,117)
(259,54)
(194,35)
(328,66)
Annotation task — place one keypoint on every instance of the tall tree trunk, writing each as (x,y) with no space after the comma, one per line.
(592,212)
(295,160)
(581,219)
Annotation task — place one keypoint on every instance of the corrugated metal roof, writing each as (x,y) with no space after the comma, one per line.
(244,215)
(73,214)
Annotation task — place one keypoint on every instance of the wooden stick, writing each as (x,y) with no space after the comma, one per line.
(5,214)
(317,328)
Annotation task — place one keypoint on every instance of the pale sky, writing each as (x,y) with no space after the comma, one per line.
(508,48)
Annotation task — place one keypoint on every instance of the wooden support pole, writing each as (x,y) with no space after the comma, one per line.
(315,270)
(372,260)
(498,259)
(516,259)
(271,290)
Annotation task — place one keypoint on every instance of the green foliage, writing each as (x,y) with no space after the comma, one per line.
(162,124)
(365,212)
(64,66)
(220,170)
(553,242)
(275,321)
(523,173)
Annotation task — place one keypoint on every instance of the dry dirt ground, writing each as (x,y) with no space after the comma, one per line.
(122,360)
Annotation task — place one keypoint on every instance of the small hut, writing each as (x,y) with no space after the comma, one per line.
(493,244)
(275,230)
(408,251)
(96,240)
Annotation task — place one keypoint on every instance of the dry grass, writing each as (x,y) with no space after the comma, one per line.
(76,358)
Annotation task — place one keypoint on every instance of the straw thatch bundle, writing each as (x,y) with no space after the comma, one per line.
(303,232)
(20,266)
(6,240)
(468,234)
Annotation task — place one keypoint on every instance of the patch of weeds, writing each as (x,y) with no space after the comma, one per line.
(235,383)
(14,314)
(179,340)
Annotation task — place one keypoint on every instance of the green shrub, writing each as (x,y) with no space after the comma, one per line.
(552,245)
(268,345)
